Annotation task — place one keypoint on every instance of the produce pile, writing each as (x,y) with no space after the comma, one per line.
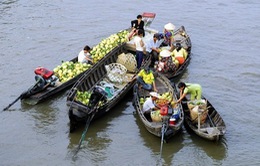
(106,45)
(164,98)
(68,70)
(84,96)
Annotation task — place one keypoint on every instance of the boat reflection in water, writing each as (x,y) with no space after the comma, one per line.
(216,150)
(173,146)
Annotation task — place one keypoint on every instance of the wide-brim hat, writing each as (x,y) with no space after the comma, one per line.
(154,94)
(165,53)
(169,27)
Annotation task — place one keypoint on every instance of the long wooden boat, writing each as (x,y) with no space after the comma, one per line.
(70,74)
(36,95)
(155,127)
(79,111)
(180,36)
(213,127)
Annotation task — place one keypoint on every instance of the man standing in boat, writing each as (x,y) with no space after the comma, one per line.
(139,46)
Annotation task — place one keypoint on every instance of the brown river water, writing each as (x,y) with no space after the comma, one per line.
(225,37)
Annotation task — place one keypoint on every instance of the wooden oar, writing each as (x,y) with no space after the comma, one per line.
(162,138)
(214,129)
(21,96)
(85,131)
(90,117)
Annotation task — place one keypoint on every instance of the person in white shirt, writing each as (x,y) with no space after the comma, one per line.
(152,47)
(139,46)
(149,104)
(84,55)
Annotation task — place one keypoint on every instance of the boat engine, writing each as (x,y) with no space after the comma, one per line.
(45,76)
(97,95)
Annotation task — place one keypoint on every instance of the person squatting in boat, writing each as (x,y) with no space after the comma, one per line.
(145,79)
(84,55)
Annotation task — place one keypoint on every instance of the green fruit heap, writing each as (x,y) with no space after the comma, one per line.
(166,96)
(67,70)
(84,96)
(106,45)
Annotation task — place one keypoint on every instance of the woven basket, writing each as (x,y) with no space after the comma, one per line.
(116,72)
(128,60)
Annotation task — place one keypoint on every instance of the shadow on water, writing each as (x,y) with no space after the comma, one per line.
(214,149)
(173,146)
(45,113)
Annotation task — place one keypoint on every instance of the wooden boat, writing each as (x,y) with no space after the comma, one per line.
(180,36)
(38,93)
(80,111)
(213,127)
(160,128)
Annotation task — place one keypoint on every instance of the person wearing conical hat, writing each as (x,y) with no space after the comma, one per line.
(168,34)
(166,63)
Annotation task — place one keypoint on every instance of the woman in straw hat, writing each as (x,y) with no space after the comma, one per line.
(165,63)
(168,34)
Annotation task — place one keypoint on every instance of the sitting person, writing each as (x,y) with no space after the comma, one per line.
(180,53)
(165,63)
(84,55)
(145,79)
(168,35)
(194,90)
(152,47)
(150,104)
(136,25)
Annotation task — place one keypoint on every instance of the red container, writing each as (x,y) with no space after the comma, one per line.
(172,122)
(164,111)
(43,72)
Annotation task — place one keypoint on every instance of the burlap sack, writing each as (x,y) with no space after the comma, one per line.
(194,115)
(156,116)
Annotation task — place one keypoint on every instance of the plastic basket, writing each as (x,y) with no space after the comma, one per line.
(116,72)
(128,60)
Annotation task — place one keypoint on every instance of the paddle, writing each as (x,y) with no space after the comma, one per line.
(162,138)
(213,130)
(85,131)
(21,96)
(90,117)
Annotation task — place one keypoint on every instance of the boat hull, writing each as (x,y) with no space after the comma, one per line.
(163,85)
(79,112)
